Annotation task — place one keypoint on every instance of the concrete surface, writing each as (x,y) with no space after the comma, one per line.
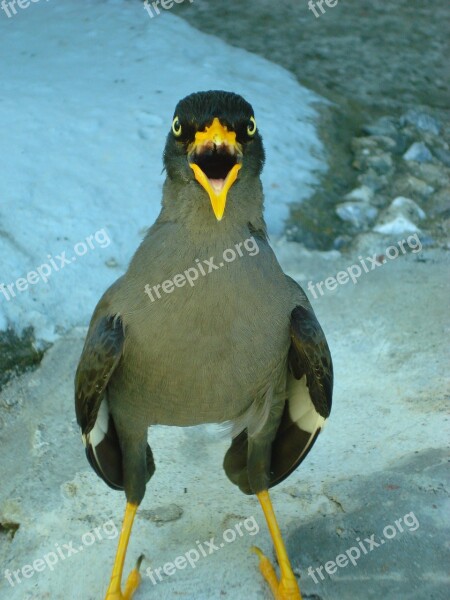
(381,458)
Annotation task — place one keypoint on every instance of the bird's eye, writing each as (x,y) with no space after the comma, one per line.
(176,127)
(251,127)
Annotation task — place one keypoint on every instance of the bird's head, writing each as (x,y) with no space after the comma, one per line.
(214,144)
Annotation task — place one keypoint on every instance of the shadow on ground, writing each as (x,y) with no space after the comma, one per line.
(395,560)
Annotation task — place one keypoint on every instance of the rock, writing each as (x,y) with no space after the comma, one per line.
(439,203)
(359,214)
(421,120)
(384,126)
(342,241)
(411,186)
(400,217)
(373,142)
(397,226)
(432,141)
(364,143)
(409,135)
(360,194)
(363,149)
(163,514)
(418,152)
(369,154)
(442,155)
(434,175)
(385,142)
(111,263)
(408,206)
(373,180)
(402,141)
(381,163)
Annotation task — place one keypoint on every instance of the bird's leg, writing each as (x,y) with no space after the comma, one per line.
(114,590)
(287,587)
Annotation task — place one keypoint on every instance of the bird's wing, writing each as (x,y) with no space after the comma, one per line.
(101,354)
(308,400)
(310,356)
(309,393)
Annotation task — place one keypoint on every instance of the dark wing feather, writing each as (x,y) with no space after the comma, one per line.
(309,357)
(101,354)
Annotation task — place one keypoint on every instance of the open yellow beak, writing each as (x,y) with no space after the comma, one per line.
(211,147)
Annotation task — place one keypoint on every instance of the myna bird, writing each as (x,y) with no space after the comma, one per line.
(237,344)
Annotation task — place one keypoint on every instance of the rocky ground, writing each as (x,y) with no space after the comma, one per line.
(382,66)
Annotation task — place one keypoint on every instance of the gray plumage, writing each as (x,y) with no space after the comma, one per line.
(222,350)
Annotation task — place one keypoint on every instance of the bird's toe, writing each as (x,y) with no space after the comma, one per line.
(284,589)
(133,582)
(134,579)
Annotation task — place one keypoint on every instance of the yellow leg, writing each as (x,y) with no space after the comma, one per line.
(287,587)
(114,590)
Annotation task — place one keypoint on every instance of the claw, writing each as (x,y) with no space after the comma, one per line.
(133,581)
(284,589)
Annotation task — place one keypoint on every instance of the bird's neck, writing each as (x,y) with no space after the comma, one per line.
(190,207)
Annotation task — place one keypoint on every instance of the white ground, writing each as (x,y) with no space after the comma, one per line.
(86,102)
(83,153)
(389,406)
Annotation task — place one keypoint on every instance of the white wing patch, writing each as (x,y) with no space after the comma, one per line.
(301,408)
(98,432)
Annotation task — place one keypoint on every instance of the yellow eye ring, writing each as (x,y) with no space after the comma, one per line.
(251,127)
(176,127)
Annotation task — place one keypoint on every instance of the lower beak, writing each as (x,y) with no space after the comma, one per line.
(217,192)
(215,157)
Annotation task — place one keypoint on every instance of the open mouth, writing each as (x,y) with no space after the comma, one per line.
(215,162)
(216,158)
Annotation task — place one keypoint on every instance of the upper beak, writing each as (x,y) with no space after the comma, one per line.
(215,157)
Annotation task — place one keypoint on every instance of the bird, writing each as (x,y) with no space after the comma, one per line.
(205,327)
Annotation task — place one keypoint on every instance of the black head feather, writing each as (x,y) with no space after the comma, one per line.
(197,111)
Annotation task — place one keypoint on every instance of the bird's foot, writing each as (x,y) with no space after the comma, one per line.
(284,589)
(134,579)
